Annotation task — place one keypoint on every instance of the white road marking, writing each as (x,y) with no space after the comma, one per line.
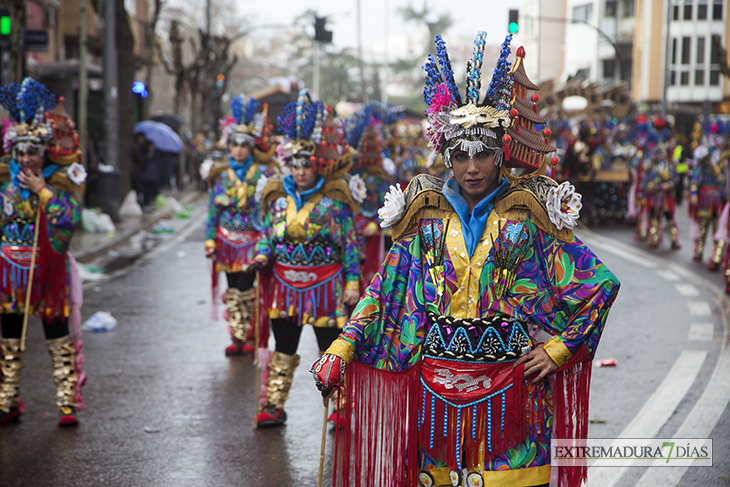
(699,308)
(612,249)
(687,290)
(656,411)
(667,275)
(701,332)
(699,423)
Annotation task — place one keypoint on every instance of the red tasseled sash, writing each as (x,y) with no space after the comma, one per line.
(570,399)
(377,445)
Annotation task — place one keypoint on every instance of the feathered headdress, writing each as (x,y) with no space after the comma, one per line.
(312,135)
(246,126)
(503,121)
(27,104)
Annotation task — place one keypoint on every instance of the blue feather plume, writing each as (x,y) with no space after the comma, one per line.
(298,118)
(28,101)
(244,112)
(500,89)
(448,73)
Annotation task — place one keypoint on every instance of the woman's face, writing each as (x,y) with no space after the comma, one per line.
(305,176)
(240,152)
(477,175)
(30,158)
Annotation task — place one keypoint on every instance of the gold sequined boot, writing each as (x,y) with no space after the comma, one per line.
(11,368)
(239,327)
(281,373)
(63,355)
(654,237)
(717,255)
(704,224)
(674,234)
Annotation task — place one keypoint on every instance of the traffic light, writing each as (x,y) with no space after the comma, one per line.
(220,80)
(5,25)
(513,27)
(320,33)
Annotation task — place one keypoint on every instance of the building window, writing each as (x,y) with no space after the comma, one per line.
(714,77)
(685,50)
(610,8)
(699,77)
(714,54)
(702,10)
(684,78)
(673,78)
(628,8)
(676,12)
(583,13)
(674,50)
(687,9)
(609,68)
(700,51)
(717,10)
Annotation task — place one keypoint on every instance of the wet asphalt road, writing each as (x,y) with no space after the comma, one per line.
(165,407)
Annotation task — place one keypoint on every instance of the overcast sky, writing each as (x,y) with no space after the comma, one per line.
(469,17)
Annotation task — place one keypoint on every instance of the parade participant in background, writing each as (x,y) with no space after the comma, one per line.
(708,195)
(310,242)
(368,166)
(658,187)
(40,179)
(486,280)
(234,215)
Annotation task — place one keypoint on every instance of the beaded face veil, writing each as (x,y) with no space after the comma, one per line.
(27,103)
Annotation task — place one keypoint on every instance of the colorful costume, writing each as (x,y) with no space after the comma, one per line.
(310,239)
(657,185)
(234,216)
(708,185)
(434,396)
(361,134)
(56,291)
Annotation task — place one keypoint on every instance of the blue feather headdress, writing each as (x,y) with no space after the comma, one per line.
(27,103)
(245,127)
(468,124)
(301,124)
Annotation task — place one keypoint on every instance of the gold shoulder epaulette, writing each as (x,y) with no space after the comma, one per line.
(423,199)
(528,197)
(273,190)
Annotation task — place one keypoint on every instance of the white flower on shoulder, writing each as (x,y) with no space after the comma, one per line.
(77,173)
(389,166)
(392,210)
(258,195)
(358,188)
(204,168)
(563,205)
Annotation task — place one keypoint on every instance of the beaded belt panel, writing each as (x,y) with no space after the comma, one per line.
(238,219)
(496,339)
(315,252)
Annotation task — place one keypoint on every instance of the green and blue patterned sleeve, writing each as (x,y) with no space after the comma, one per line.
(350,247)
(62,215)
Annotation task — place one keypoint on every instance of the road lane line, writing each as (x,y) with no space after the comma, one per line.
(701,332)
(668,275)
(687,290)
(656,411)
(699,423)
(606,247)
(699,308)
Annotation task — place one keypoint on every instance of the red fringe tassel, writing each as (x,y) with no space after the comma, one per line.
(570,396)
(377,444)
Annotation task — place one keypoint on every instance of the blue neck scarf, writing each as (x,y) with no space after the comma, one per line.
(290,187)
(472,224)
(15,170)
(240,168)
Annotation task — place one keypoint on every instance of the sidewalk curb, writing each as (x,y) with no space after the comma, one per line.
(86,256)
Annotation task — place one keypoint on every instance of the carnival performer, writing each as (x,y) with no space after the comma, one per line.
(234,215)
(310,242)
(40,179)
(658,187)
(472,346)
(368,167)
(708,195)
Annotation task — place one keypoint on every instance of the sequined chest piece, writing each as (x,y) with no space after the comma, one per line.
(18,231)
(237,219)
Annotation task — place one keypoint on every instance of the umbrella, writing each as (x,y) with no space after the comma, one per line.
(169,119)
(164,138)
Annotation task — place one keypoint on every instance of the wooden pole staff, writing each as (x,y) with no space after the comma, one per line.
(29,288)
(324,440)
(256,313)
